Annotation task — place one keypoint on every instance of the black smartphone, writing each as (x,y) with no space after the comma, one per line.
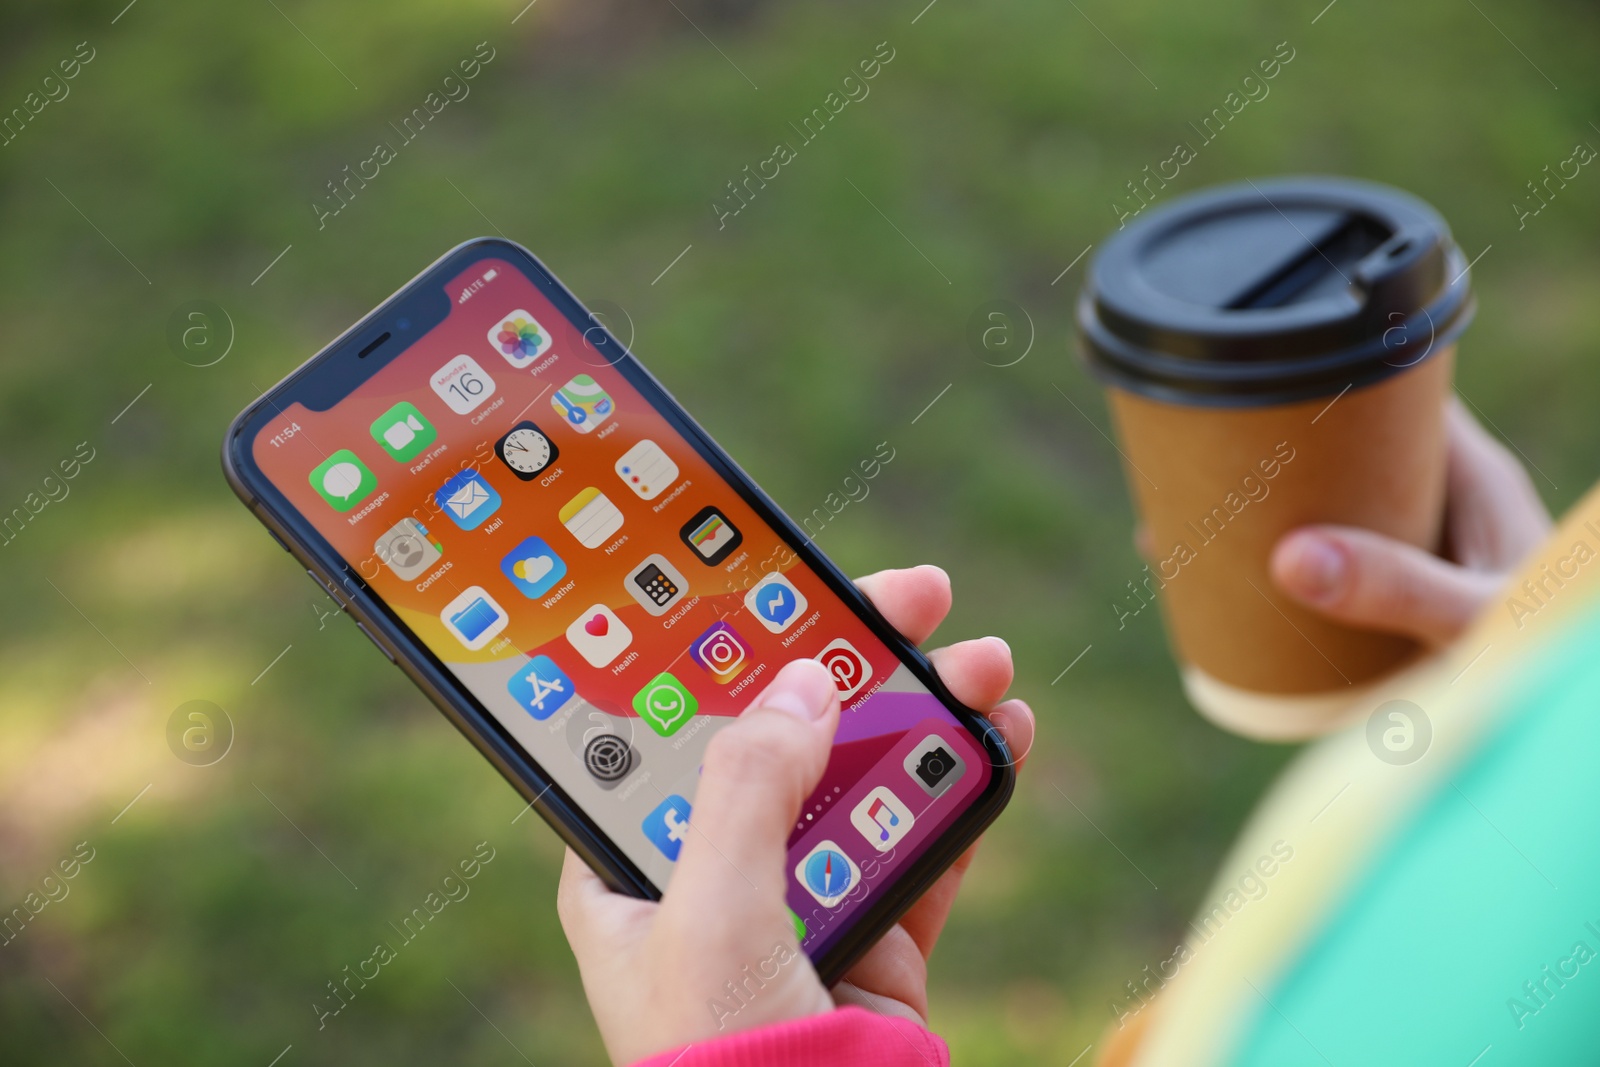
(524,520)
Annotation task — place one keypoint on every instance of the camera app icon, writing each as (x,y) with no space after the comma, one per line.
(934,766)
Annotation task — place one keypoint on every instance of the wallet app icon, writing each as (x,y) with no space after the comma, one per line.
(468,499)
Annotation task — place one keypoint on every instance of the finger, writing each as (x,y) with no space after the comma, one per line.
(1014,719)
(1374,582)
(915,600)
(596,920)
(1495,514)
(892,982)
(977,673)
(1144,542)
(756,774)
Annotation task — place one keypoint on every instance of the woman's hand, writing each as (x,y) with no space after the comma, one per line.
(1493,517)
(653,972)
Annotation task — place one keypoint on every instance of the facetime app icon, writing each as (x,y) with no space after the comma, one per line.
(591,517)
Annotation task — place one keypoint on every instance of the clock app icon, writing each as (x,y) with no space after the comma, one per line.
(526,450)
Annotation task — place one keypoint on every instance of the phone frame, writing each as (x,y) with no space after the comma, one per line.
(337,369)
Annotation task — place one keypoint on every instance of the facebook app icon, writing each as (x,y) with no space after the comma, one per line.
(668,825)
(540,687)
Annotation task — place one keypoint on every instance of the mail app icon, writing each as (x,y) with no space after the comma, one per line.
(468,499)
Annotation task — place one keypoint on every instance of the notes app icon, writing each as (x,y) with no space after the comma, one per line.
(882,818)
(591,517)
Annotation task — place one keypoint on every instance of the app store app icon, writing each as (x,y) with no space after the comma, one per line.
(541,688)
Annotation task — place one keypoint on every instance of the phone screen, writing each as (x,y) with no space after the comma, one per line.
(612,601)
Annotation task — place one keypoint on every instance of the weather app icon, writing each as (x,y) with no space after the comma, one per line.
(776,603)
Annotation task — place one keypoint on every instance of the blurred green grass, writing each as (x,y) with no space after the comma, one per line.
(802,334)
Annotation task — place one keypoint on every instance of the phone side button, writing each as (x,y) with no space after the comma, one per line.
(379,644)
(326,588)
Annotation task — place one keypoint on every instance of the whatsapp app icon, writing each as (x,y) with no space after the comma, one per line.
(665,704)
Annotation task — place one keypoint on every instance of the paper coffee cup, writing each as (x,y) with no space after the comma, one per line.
(1276,353)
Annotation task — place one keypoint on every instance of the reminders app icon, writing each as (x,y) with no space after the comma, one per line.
(468,499)
(474,618)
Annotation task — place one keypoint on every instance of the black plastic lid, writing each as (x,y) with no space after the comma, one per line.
(1268,292)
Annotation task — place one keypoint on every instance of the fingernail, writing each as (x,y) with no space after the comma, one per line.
(1002,642)
(803,689)
(1319,568)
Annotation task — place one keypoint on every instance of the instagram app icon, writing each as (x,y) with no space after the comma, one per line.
(721,651)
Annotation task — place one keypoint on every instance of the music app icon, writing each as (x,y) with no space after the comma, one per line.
(882,818)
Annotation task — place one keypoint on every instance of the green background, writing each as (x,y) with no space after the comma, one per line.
(820,322)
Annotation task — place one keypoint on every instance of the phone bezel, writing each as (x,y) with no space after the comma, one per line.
(337,369)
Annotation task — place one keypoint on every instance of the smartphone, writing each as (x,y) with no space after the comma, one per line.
(519,516)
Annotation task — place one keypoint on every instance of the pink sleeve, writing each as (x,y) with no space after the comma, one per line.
(848,1037)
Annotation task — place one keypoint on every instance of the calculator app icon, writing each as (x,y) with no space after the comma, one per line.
(656,585)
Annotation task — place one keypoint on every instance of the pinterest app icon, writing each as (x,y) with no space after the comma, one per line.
(848,666)
(721,651)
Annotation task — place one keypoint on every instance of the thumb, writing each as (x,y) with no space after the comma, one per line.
(1374,582)
(756,774)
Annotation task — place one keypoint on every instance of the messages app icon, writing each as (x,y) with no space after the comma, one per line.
(403,432)
(343,480)
(534,568)
(468,499)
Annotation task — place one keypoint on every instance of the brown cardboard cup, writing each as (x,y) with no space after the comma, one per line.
(1313,419)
